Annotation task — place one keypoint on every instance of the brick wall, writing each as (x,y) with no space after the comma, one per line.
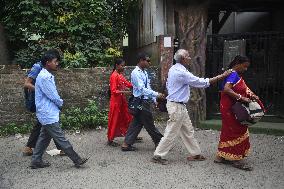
(75,86)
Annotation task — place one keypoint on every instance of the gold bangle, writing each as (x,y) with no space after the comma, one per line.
(240,96)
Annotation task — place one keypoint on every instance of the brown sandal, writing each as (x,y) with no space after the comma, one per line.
(196,158)
(113,144)
(221,160)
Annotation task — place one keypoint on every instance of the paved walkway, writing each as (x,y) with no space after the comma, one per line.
(260,127)
(109,167)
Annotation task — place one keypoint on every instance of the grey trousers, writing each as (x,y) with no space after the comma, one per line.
(144,118)
(48,132)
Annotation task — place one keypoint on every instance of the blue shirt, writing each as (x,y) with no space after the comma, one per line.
(179,82)
(33,73)
(47,100)
(141,84)
(233,78)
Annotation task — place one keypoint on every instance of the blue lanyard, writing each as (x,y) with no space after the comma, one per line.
(145,73)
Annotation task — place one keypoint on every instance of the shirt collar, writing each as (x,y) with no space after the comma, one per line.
(179,65)
(47,72)
(139,69)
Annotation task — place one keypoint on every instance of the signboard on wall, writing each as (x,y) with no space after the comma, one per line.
(167,42)
(232,49)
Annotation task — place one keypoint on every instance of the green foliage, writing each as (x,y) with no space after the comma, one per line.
(72,119)
(89,117)
(84,30)
(13,128)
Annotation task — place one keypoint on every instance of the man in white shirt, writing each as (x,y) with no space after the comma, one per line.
(178,85)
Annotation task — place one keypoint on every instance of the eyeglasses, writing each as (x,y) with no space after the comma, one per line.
(187,57)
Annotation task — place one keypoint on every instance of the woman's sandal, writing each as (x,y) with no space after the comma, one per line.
(221,160)
(242,166)
(196,158)
(113,144)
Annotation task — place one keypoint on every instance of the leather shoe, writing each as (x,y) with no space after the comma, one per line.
(39,165)
(81,162)
(27,151)
(159,160)
(128,148)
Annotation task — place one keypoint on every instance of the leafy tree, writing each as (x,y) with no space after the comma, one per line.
(88,32)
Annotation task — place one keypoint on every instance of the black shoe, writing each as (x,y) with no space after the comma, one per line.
(158,159)
(128,148)
(81,162)
(39,165)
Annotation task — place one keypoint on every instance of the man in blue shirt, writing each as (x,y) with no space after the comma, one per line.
(178,85)
(48,105)
(143,91)
(30,92)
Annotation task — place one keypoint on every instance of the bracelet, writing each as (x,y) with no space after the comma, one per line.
(240,96)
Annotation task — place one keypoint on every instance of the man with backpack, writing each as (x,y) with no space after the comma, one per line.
(29,88)
(48,106)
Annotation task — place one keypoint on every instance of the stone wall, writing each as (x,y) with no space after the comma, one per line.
(75,86)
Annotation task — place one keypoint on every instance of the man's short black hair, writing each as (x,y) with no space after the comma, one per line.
(49,55)
(142,56)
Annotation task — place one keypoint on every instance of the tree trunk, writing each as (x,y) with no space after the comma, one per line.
(3,49)
(192,36)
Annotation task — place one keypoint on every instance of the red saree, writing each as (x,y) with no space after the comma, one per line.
(234,138)
(118,117)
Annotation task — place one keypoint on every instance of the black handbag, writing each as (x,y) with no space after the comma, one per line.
(162,105)
(134,105)
(248,113)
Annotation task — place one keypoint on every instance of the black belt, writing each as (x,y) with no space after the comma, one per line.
(178,102)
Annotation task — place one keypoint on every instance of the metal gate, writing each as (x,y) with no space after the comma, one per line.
(265,75)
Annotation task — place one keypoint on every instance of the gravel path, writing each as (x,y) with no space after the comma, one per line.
(108,167)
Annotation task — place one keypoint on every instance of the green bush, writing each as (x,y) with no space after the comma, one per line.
(72,119)
(89,117)
(13,128)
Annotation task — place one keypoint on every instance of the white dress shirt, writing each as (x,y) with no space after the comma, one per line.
(179,82)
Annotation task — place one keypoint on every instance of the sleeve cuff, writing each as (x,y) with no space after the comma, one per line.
(207,82)
(155,94)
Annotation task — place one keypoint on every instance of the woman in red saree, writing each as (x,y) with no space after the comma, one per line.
(234,142)
(118,117)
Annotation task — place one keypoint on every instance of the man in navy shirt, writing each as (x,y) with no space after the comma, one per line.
(30,90)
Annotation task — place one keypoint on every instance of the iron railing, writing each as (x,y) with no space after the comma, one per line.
(265,75)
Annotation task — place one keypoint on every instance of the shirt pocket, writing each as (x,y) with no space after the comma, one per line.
(173,111)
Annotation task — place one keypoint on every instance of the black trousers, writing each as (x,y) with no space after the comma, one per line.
(144,118)
(34,136)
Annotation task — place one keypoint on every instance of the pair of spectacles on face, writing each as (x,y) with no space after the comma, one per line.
(187,57)
(147,59)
